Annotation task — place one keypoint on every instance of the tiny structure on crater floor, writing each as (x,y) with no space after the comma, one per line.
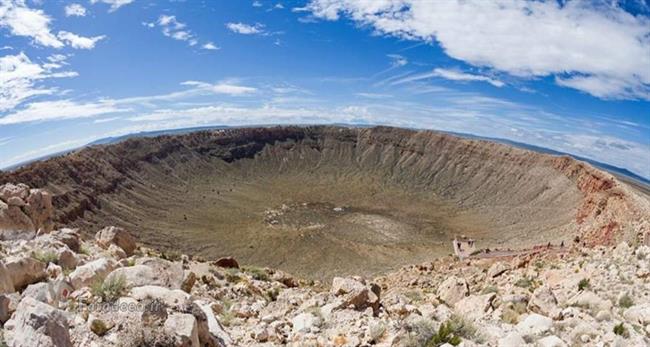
(463,246)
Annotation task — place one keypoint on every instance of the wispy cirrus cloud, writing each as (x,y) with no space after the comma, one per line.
(5,140)
(114,4)
(457,75)
(449,74)
(226,88)
(59,110)
(398,60)
(597,48)
(42,151)
(54,110)
(374,95)
(177,30)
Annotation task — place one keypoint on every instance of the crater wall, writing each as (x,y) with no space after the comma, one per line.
(315,200)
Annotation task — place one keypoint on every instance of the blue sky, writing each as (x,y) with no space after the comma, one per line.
(570,76)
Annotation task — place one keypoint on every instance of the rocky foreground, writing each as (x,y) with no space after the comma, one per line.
(58,288)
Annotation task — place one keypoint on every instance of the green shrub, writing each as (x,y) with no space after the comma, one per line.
(446,334)
(464,328)
(257,273)
(583,284)
(84,249)
(520,307)
(109,290)
(232,275)
(272,294)
(226,318)
(414,295)
(98,327)
(490,290)
(625,301)
(510,315)
(513,311)
(524,282)
(171,255)
(45,256)
(620,330)
(420,331)
(423,332)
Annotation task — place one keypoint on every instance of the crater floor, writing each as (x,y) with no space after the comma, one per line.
(313,225)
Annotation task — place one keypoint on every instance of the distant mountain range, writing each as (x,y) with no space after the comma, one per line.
(109,140)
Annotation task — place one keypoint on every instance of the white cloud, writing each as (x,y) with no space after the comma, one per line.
(5,140)
(115,4)
(221,88)
(246,29)
(58,110)
(80,42)
(19,77)
(606,47)
(166,20)
(603,87)
(243,115)
(171,27)
(105,120)
(57,58)
(24,21)
(197,89)
(257,4)
(75,10)
(374,95)
(456,75)
(607,149)
(210,46)
(398,60)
